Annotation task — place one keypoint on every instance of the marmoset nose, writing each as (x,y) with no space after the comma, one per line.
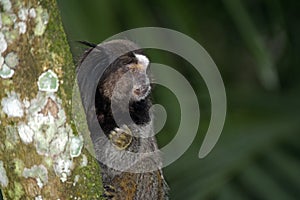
(142,91)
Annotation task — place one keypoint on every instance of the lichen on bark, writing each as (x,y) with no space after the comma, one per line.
(36,125)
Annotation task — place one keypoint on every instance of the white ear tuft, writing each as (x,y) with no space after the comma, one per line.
(143,60)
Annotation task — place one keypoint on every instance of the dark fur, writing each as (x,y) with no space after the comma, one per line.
(139,110)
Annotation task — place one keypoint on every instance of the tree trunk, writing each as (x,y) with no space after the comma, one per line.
(41,154)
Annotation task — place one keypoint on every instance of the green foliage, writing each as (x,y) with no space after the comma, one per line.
(255,45)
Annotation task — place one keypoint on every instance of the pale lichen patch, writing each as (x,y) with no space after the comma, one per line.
(3,43)
(6,5)
(39,197)
(39,172)
(48,82)
(11,135)
(32,13)
(11,36)
(42,19)
(22,27)
(25,133)
(76,179)
(3,176)
(6,72)
(51,132)
(76,146)
(84,161)
(52,137)
(23,14)
(1,61)
(63,166)
(59,142)
(0,21)
(12,106)
(12,60)
(26,103)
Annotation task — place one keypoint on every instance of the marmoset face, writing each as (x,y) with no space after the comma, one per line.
(130,80)
(141,83)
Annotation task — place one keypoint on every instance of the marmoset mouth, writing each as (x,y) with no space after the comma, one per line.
(142,92)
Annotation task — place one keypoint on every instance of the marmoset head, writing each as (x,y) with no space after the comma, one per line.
(118,69)
(126,78)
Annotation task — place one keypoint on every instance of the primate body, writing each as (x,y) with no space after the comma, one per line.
(127,152)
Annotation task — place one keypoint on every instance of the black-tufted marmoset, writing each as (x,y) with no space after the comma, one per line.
(125,147)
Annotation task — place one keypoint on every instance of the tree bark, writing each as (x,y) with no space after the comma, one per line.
(41,154)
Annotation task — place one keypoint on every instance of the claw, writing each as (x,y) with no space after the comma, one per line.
(126,127)
(112,133)
(117,129)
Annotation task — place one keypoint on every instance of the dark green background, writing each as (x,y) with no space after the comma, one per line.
(255,45)
(251,41)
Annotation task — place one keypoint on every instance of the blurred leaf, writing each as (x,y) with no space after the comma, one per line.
(236,161)
(266,68)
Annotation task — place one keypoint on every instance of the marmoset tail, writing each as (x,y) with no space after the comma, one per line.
(115,89)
